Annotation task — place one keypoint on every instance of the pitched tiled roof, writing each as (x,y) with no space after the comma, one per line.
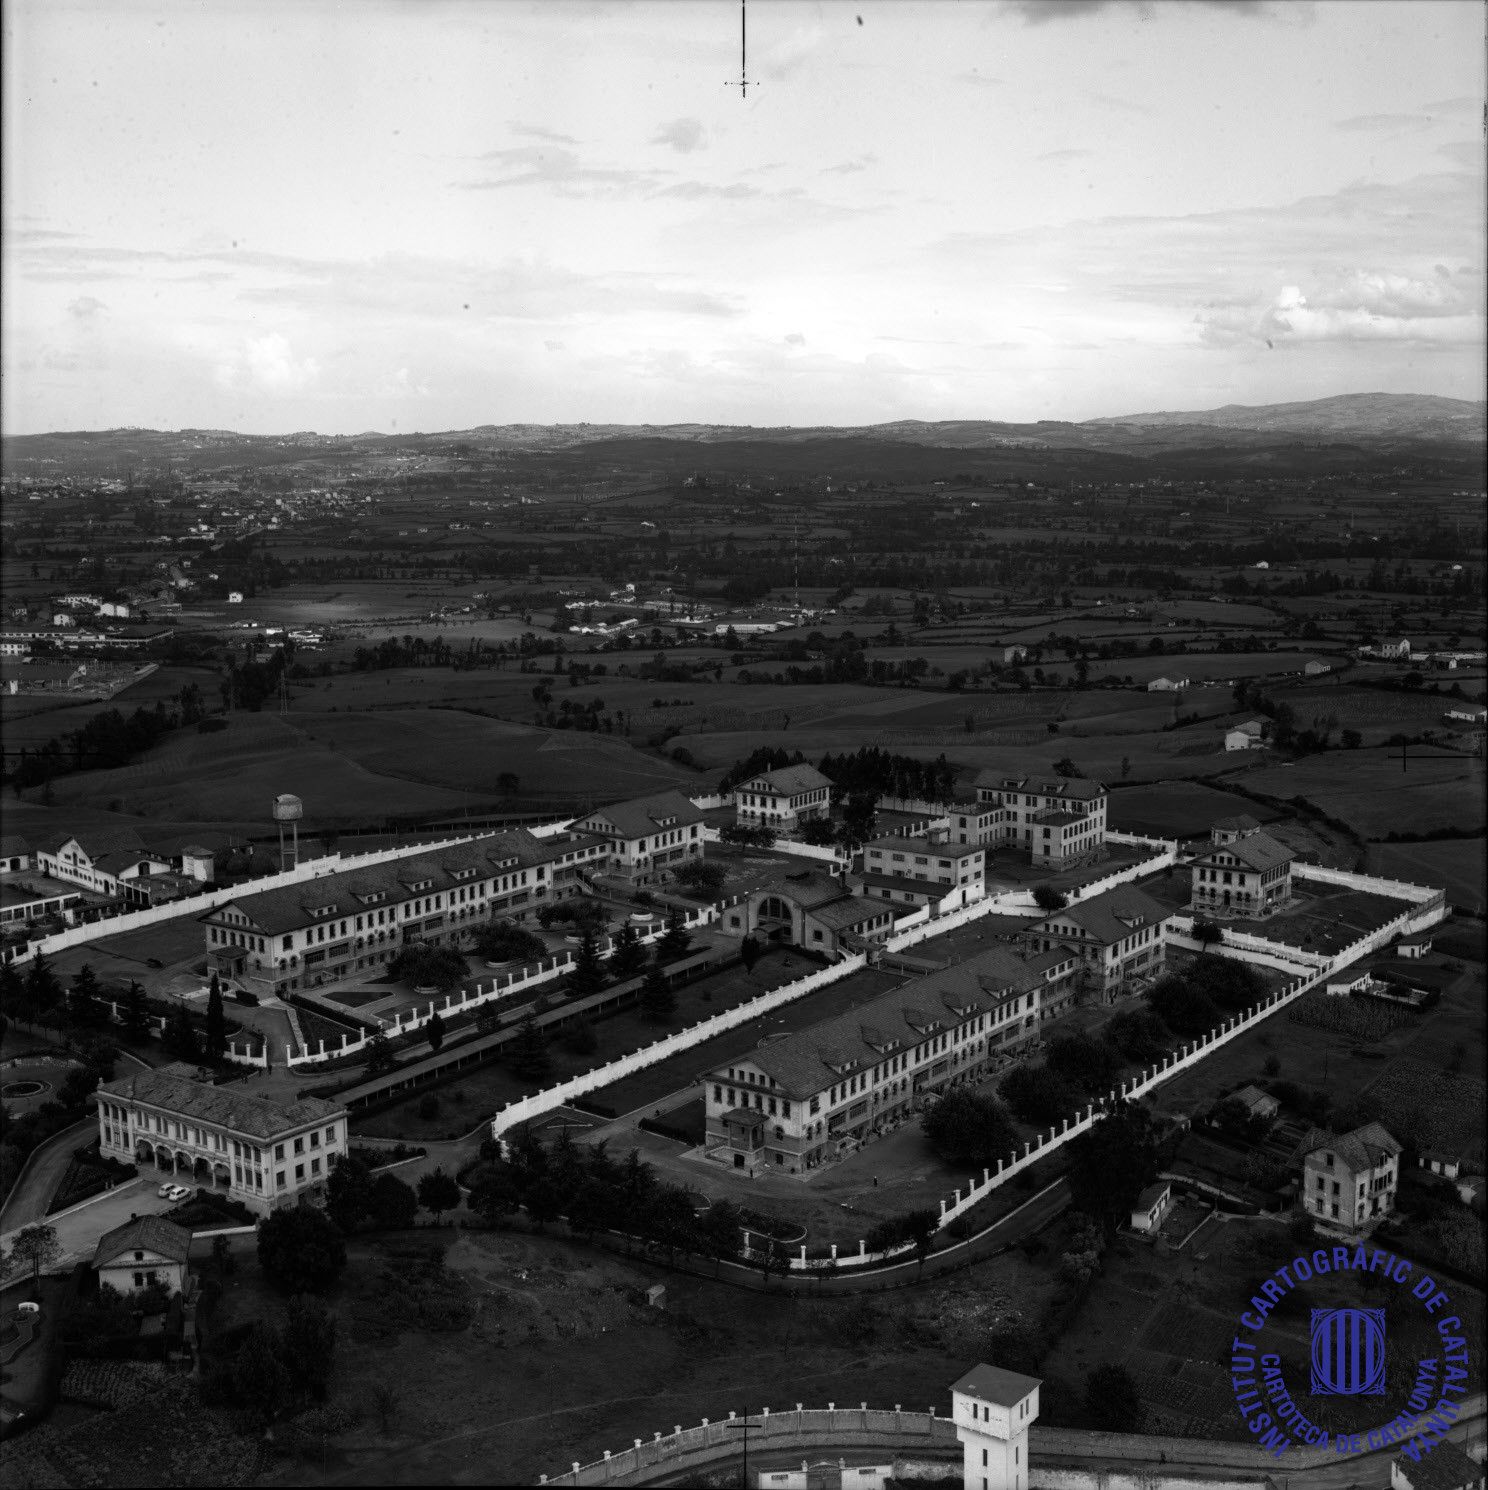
(12,846)
(144,1234)
(994,1384)
(641,816)
(1255,850)
(936,889)
(1110,917)
(807,888)
(1446,1467)
(1072,789)
(288,907)
(99,843)
(788,781)
(803,1062)
(229,1106)
(1362,1149)
(851,910)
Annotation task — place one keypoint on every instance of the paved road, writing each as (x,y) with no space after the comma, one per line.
(78,1232)
(34,1190)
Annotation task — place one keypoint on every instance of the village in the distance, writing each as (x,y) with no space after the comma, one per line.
(782,957)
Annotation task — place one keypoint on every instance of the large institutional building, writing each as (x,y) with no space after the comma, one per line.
(793,1102)
(300,936)
(1059,822)
(262,1153)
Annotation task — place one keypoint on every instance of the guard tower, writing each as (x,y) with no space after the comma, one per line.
(288,809)
(993,1410)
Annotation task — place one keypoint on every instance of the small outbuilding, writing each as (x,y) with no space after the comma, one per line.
(1153,1204)
(144,1250)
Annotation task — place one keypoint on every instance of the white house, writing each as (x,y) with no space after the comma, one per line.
(1242,875)
(1316,668)
(107,860)
(144,1250)
(919,872)
(647,833)
(1350,1181)
(1152,1206)
(1057,821)
(1245,736)
(993,1410)
(1118,935)
(1167,685)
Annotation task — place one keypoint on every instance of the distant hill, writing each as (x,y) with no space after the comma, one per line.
(1421,416)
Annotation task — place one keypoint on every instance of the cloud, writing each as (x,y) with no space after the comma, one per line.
(683,135)
(847,167)
(559,168)
(1073,154)
(795,339)
(267,364)
(540,132)
(555,346)
(980,79)
(1361,306)
(86,307)
(1465,152)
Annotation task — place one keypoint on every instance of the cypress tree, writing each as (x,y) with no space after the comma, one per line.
(216,1038)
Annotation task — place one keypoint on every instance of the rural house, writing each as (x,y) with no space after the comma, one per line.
(783,798)
(791,1103)
(144,1250)
(1167,685)
(262,1153)
(1152,1206)
(105,860)
(1117,936)
(1247,736)
(1350,1181)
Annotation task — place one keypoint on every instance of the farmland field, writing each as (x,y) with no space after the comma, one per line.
(1457,865)
(1178,809)
(1368,789)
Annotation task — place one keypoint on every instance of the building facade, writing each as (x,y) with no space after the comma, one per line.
(1244,874)
(1119,936)
(921,871)
(262,1153)
(812,909)
(783,798)
(109,861)
(1057,822)
(993,1409)
(1350,1181)
(302,936)
(646,834)
(141,1252)
(792,1103)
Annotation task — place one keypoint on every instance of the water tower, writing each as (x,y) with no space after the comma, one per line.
(288,809)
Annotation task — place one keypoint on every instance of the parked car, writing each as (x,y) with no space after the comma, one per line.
(173,1192)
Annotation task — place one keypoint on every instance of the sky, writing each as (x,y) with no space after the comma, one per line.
(418,216)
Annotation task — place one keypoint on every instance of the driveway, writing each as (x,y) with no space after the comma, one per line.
(78,1232)
(34,1190)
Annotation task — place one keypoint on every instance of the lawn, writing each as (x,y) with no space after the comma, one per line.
(1457,865)
(1179,809)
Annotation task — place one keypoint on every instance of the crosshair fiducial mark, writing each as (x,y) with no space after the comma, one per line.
(744,82)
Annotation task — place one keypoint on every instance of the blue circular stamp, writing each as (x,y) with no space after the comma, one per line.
(1387,1368)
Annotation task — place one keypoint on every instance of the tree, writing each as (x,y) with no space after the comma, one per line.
(701,878)
(1138,1034)
(528,1052)
(1039,1095)
(216,1036)
(179,1035)
(1064,766)
(300,1249)
(495,1195)
(134,1014)
(1090,1064)
(818,830)
(1125,766)
(749,953)
(380,1057)
(501,941)
(258,1375)
(1207,934)
(1185,1010)
(544,1202)
(349,1193)
(658,1002)
(920,1227)
(438,1192)
(35,1246)
(676,942)
(43,991)
(307,1348)
(967,1128)
(1351,739)
(1112,1402)
(859,814)
(629,956)
(434,1032)
(83,1008)
(1113,1162)
(1048,899)
(394,1204)
(719,1232)
(424,965)
(580,1038)
(588,973)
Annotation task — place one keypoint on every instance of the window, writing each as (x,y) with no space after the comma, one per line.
(315,1166)
(279,1152)
(279,1179)
(299,1172)
(299,1145)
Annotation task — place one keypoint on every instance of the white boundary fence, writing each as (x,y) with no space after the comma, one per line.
(502,986)
(526,1108)
(197,905)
